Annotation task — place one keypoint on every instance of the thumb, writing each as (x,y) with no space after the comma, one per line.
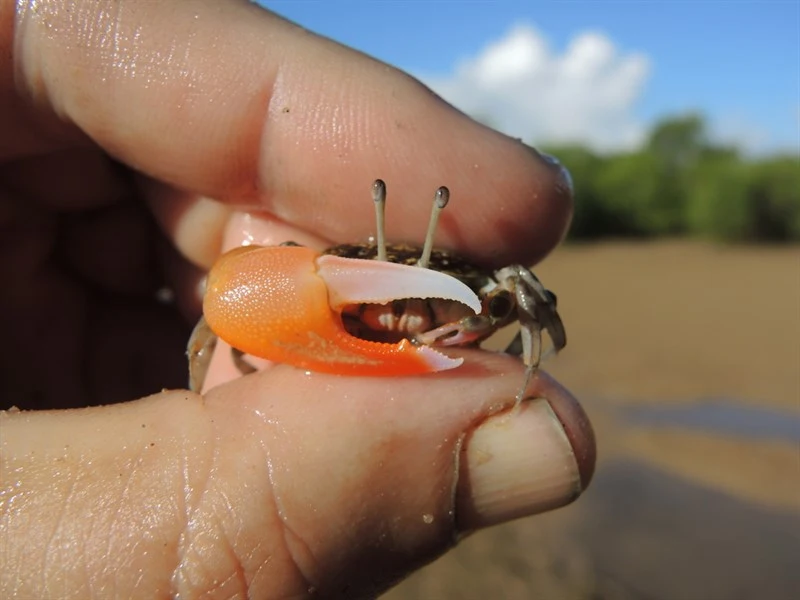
(280,483)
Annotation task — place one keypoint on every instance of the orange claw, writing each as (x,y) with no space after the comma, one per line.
(281,304)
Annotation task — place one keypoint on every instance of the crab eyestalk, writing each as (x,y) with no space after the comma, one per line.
(379,197)
(284,304)
(440,200)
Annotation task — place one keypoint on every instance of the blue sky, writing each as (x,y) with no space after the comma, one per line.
(737,62)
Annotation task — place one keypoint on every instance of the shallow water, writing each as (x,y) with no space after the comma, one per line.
(720,416)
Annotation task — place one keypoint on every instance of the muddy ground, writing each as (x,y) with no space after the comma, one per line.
(687,358)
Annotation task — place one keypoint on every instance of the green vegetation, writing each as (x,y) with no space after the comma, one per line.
(681,184)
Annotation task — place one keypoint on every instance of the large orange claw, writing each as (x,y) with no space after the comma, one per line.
(284,303)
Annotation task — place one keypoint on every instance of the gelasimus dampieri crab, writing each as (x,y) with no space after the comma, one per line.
(372,309)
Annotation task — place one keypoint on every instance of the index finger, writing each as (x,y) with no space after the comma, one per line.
(228,101)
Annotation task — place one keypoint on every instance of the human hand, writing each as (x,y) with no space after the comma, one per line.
(276,483)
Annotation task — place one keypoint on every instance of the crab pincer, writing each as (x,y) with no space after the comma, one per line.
(284,304)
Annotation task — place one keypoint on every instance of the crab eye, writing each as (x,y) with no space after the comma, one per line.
(500,305)
(552,299)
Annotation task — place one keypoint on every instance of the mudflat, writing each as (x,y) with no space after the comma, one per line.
(675,321)
(687,359)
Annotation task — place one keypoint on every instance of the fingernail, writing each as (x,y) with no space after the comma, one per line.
(245,228)
(523,463)
(564,178)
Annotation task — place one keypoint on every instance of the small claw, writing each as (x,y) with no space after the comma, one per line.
(465,331)
(363,281)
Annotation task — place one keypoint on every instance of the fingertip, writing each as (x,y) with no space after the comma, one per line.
(577,427)
(536,457)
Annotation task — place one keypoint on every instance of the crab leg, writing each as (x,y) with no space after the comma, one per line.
(284,304)
(199,352)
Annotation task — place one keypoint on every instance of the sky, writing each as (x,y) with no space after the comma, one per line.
(596,72)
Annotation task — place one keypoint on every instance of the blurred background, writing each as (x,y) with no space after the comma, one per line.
(679,282)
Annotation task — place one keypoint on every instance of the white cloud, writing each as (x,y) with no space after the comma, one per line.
(740,133)
(519,86)
(752,138)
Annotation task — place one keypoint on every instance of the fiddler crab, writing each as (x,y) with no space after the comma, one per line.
(373,309)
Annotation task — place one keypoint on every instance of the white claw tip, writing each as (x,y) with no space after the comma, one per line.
(438,361)
(363,281)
